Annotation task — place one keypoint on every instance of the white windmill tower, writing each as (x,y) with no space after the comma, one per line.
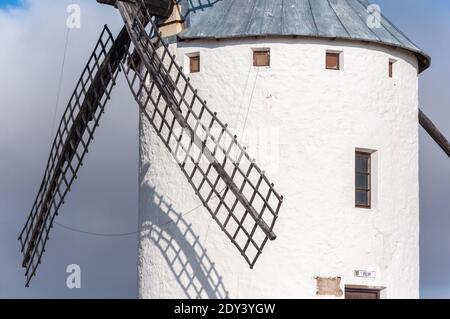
(331,91)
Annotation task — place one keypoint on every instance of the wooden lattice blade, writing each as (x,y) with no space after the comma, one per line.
(74,135)
(230,185)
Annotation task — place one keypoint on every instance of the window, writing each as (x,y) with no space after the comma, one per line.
(363,191)
(261,57)
(333,61)
(391,68)
(194,63)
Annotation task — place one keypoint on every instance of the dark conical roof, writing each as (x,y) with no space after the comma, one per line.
(337,19)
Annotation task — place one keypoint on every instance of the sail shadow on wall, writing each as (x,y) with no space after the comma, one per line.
(182,249)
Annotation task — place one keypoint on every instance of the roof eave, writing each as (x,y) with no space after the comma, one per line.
(424,60)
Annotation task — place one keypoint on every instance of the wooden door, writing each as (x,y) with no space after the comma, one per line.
(362,293)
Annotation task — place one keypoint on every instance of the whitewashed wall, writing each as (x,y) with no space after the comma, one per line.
(314,118)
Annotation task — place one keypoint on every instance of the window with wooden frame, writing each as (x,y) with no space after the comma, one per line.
(391,68)
(261,57)
(333,60)
(194,63)
(363,179)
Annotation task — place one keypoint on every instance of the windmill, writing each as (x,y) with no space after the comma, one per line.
(177,113)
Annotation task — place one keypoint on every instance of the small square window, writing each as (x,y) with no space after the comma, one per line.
(261,57)
(333,61)
(194,64)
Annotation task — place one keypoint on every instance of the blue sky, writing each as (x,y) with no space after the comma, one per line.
(10,3)
(33,45)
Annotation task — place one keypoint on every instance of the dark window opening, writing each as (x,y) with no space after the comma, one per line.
(391,69)
(363,180)
(333,61)
(261,58)
(194,64)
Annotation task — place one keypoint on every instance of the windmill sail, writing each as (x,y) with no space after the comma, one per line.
(228,182)
(434,132)
(74,135)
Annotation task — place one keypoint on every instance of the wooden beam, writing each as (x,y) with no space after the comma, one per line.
(434,132)
(109,2)
(159,8)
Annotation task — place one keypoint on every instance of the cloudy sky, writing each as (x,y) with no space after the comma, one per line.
(33,37)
